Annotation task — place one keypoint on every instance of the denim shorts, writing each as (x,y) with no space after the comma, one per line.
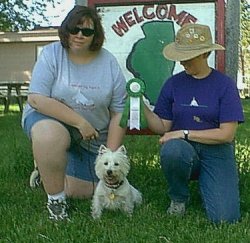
(80,160)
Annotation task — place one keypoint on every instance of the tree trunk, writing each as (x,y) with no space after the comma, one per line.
(232,34)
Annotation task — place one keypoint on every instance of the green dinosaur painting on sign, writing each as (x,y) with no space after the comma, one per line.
(146,60)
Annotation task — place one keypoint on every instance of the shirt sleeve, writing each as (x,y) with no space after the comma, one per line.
(230,104)
(164,104)
(43,74)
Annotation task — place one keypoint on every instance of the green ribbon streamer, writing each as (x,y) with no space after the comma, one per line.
(131,93)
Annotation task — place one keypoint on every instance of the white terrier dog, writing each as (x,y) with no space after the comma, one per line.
(113,190)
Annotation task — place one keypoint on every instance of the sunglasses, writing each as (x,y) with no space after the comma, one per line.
(85,31)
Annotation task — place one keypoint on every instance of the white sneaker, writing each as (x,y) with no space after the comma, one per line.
(35,179)
(57,209)
(176,208)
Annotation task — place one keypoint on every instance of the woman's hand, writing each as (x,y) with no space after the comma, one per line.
(171,135)
(87,131)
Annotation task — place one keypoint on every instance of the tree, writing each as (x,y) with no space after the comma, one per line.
(245,40)
(232,34)
(18,15)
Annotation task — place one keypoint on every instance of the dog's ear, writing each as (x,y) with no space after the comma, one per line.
(102,149)
(122,149)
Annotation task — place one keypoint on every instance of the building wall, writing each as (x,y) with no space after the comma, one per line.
(17,61)
(18,53)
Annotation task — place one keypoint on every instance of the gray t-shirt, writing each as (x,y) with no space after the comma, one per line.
(91,89)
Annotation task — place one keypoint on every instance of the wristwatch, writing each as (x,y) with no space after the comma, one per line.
(185,132)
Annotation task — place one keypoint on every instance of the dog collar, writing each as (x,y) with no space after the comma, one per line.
(114,186)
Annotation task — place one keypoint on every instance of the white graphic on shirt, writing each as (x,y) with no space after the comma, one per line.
(194,102)
(79,98)
(82,103)
(73,97)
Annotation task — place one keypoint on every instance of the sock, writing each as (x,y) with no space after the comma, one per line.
(59,196)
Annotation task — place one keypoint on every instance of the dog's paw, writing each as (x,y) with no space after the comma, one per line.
(138,199)
(96,215)
(137,196)
(129,208)
(129,213)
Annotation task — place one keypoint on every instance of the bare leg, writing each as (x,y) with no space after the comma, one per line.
(50,141)
(78,188)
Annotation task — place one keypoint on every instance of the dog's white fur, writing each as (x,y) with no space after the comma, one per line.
(113,190)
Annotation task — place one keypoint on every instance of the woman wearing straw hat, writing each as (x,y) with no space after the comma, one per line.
(197,114)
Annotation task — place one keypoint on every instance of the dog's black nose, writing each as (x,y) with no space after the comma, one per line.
(109,172)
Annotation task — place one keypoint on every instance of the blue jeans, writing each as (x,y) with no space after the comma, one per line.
(215,168)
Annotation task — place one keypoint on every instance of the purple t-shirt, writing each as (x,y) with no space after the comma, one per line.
(198,104)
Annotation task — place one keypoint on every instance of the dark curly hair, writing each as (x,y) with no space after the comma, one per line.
(75,17)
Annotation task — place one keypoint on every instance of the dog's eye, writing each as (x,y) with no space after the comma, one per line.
(105,163)
(116,164)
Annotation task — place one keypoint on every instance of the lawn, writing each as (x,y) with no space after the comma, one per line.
(24,216)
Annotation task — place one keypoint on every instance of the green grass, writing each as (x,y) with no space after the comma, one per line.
(24,217)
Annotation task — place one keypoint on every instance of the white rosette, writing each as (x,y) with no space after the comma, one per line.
(134,121)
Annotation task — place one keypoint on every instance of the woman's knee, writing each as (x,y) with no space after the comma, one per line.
(51,134)
(171,149)
(221,206)
(220,215)
(77,188)
(176,150)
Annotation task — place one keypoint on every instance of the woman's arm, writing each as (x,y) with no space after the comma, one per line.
(56,109)
(155,123)
(224,134)
(115,132)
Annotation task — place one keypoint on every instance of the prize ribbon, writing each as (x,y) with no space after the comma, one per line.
(133,110)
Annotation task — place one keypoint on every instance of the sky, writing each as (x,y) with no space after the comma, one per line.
(57,15)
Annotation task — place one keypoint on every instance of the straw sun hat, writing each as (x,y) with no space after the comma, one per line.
(191,41)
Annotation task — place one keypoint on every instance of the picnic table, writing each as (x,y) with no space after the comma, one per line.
(13,89)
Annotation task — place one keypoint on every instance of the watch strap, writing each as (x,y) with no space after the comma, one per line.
(186,133)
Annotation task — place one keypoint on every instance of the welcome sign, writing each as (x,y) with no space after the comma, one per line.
(137,33)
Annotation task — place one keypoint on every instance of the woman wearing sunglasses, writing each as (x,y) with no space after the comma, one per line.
(75,101)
